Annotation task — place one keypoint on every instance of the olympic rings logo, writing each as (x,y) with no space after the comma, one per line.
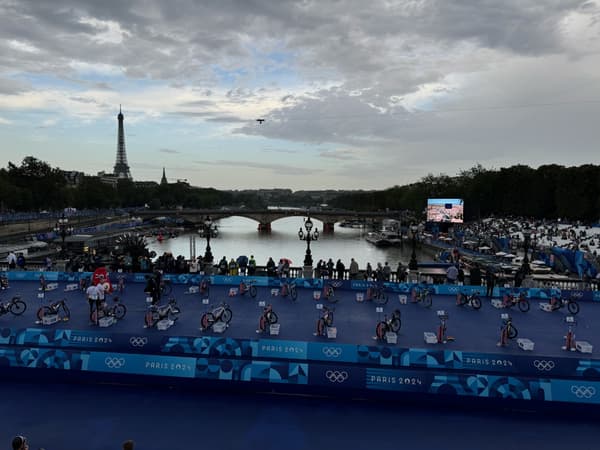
(114,362)
(453,289)
(138,341)
(336,376)
(336,284)
(332,352)
(576,294)
(543,365)
(583,391)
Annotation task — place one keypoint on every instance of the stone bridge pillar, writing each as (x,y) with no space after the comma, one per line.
(328,227)
(264,227)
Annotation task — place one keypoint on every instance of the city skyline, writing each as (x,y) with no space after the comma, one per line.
(354,96)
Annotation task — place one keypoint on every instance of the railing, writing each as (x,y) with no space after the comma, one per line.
(432,276)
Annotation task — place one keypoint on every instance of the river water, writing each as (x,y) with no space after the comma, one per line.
(239,236)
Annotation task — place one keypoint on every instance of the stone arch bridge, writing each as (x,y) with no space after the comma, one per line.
(265,217)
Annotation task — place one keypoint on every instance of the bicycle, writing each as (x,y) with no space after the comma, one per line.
(205,286)
(329,293)
(288,288)
(392,324)
(165,287)
(326,320)
(267,318)
(558,303)
(118,311)
(507,330)
(156,313)
(15,306)
(471,300)
(121,284)
(421,294)
(248,287)
(59,307)
(510,299)
(377,294)
(221,313)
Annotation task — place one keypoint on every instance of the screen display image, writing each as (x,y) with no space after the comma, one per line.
(449,210)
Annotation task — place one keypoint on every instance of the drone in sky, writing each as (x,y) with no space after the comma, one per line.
(260,121)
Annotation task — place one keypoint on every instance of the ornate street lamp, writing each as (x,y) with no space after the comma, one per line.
(308,236)
(413,264)
(208,256)
(63,229)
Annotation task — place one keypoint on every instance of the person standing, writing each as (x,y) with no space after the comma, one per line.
(251,266)
(490,281)
(475,276)
(92,295)
(353,269)
(340,268)
(11,259)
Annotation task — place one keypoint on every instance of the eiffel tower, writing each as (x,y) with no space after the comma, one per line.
(121,167)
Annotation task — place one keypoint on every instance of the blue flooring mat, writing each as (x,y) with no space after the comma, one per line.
(99,417)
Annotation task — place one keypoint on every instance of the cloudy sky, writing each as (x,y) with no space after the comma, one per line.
(355,94)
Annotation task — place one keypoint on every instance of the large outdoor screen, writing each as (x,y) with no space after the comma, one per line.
(449,210)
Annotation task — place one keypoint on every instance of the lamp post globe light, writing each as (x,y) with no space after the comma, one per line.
(208,256)
(308,236)
(413,264)
(63,230)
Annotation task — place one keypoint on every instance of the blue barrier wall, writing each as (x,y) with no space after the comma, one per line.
(312,366)
(316,283)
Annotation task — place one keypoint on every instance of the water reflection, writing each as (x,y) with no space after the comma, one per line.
(239,236)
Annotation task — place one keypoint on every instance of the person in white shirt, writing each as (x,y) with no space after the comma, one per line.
(11,259)
(92,295)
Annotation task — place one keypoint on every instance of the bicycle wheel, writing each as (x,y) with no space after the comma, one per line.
(524,305)
(174,313)
(272,317)
(207,320)
(476,302)
(427,301)
(380,330)
(293,292)
(320,326)
(573,307)
(380,298)
(512,332)
(18,307)
(119,311)
(227,315)
(395,324)
(252,291)
(43,311)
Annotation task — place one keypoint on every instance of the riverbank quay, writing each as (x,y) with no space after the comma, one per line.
(349,362)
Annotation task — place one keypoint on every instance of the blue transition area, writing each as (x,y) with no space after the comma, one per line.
(353,364)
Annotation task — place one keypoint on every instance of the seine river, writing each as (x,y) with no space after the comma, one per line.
(239,236)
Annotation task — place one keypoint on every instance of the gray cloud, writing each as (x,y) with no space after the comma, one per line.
(280,169)
(169,150)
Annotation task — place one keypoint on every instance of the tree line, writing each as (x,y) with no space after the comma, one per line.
(550,191)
